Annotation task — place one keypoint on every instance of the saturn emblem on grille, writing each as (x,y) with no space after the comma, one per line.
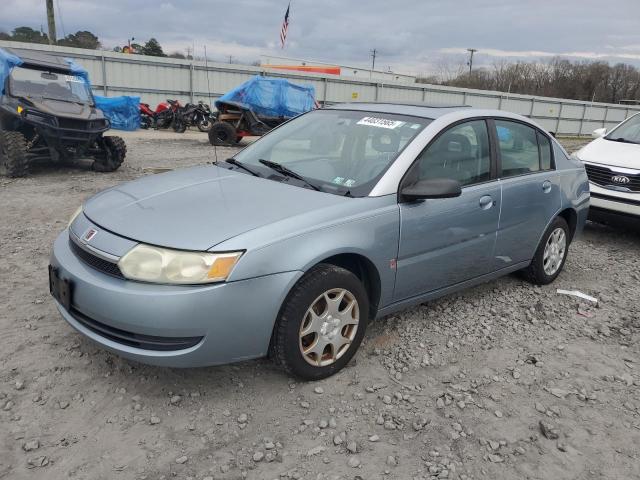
(89,234)
(620,179)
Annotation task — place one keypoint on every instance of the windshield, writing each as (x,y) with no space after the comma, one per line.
(337,151)
(30,83)
(628,131)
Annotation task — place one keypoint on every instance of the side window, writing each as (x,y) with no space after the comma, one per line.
(545,151)
(460,153)
(518,146)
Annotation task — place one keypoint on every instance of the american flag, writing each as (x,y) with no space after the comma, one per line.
(285,27)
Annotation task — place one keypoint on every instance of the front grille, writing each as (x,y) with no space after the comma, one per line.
(603,176)
(73,124)
(96,262)
(145,342)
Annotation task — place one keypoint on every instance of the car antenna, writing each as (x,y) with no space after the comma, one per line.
(206,69)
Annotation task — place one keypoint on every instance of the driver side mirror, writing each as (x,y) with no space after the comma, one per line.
(431,188)
(599,132)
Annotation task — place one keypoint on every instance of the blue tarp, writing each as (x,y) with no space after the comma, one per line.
(272,97)
(122,112)
(7,62)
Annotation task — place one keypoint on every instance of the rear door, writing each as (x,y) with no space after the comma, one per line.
(530,190)
(450,240)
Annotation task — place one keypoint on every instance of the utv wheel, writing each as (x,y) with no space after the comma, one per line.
(222,134)
(13,154)
(550,255)
(114,151)
(321,323)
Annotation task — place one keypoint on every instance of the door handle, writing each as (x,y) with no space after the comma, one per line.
(486,202)
(546,186)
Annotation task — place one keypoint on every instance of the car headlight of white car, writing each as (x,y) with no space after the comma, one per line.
(147,263)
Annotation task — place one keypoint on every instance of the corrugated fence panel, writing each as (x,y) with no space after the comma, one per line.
(394,94)
(483,101)
(616,114)
(572,111)
(155,79)
(517,105)
(442,97)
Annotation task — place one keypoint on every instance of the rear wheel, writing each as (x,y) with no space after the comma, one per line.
(222,134)
(551,254)
(13,154)
(321,323)
(113,152)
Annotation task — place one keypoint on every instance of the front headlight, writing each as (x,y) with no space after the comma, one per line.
(162,265)
(74,216)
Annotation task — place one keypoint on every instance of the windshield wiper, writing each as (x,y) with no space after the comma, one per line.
(241,165)
(288,173)
(622,140)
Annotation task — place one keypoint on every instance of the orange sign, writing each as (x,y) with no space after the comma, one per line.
(330,70)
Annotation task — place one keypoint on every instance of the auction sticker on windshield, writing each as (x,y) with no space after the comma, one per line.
(73,78)
(380,122)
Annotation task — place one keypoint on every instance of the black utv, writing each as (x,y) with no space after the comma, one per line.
(48,113)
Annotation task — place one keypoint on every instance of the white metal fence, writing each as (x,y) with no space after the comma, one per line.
(155,79)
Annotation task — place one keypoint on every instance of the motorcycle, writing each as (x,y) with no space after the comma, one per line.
(193,114)
(162,117)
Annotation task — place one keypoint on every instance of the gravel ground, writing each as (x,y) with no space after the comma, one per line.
(504,380)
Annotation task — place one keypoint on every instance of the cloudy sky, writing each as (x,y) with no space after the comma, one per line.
(419,36)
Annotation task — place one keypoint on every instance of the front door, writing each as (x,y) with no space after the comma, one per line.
(447,241)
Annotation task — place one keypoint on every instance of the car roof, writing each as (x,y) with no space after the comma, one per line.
(31,58)
(426,110)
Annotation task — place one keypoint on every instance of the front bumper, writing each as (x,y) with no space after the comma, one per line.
(227,322)
(615,201)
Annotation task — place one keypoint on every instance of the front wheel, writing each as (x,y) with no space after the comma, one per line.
(13,154)
(321,323)
(112,153)
(179,125)
(551,254)
(203,123)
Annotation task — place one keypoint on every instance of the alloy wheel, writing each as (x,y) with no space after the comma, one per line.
(554,251)
(329,326)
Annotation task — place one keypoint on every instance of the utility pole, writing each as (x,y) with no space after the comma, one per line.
(471,52)
(374,52)
(52,22)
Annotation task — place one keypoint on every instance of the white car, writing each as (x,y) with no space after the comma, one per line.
(612,162)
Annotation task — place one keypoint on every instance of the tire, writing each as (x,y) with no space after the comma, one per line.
(179,126)
(344,335)
(204,124)
(543,271)
(145,122)
(13,154)
(222,134)
(114,152)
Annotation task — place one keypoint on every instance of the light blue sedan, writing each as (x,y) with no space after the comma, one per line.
(337,217)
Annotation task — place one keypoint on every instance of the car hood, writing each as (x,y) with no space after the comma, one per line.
(197,208)
(64,109)
(615,154)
